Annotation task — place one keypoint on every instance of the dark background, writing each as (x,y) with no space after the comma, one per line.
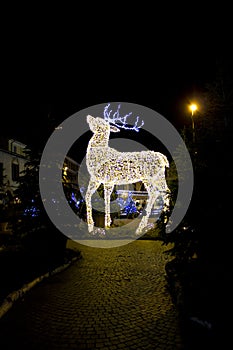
(47,77)
(35,100)
(58,61)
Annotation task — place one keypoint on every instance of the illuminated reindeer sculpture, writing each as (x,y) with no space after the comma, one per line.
(109,167)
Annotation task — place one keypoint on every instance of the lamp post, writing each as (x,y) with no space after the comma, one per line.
(193,108)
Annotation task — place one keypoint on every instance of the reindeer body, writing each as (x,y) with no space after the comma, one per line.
(110,167)
(115,167)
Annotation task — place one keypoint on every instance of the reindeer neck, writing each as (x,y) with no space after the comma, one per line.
(99,140)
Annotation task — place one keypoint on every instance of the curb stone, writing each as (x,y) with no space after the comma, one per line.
(14,296)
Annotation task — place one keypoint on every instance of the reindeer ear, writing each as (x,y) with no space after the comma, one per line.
(89,118)
(114,128)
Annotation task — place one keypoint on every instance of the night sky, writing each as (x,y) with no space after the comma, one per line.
(35,100)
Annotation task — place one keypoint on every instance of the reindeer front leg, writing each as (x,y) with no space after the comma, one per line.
(107,195)
(92,187)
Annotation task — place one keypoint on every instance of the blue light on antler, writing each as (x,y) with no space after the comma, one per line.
(121,122)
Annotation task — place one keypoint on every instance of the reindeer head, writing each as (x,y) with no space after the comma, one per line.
(99,125)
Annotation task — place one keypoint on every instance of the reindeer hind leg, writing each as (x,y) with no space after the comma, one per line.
(152,194)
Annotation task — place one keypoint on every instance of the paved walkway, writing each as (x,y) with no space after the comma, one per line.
(111,299)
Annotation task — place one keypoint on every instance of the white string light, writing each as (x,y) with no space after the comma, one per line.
(110,167)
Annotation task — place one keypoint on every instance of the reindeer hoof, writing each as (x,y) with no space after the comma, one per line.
(90,228)
(138,231)
(144,229)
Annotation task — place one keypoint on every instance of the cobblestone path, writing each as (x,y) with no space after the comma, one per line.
(113,299)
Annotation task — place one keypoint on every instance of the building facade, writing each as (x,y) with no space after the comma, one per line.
(12,163)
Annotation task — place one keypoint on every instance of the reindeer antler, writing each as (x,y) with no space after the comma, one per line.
(116,119)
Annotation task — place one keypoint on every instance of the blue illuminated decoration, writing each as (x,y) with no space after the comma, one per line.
(121,122)
(32,211)
(130,206)
(75,201)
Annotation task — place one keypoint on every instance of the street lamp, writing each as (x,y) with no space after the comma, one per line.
(193,108)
